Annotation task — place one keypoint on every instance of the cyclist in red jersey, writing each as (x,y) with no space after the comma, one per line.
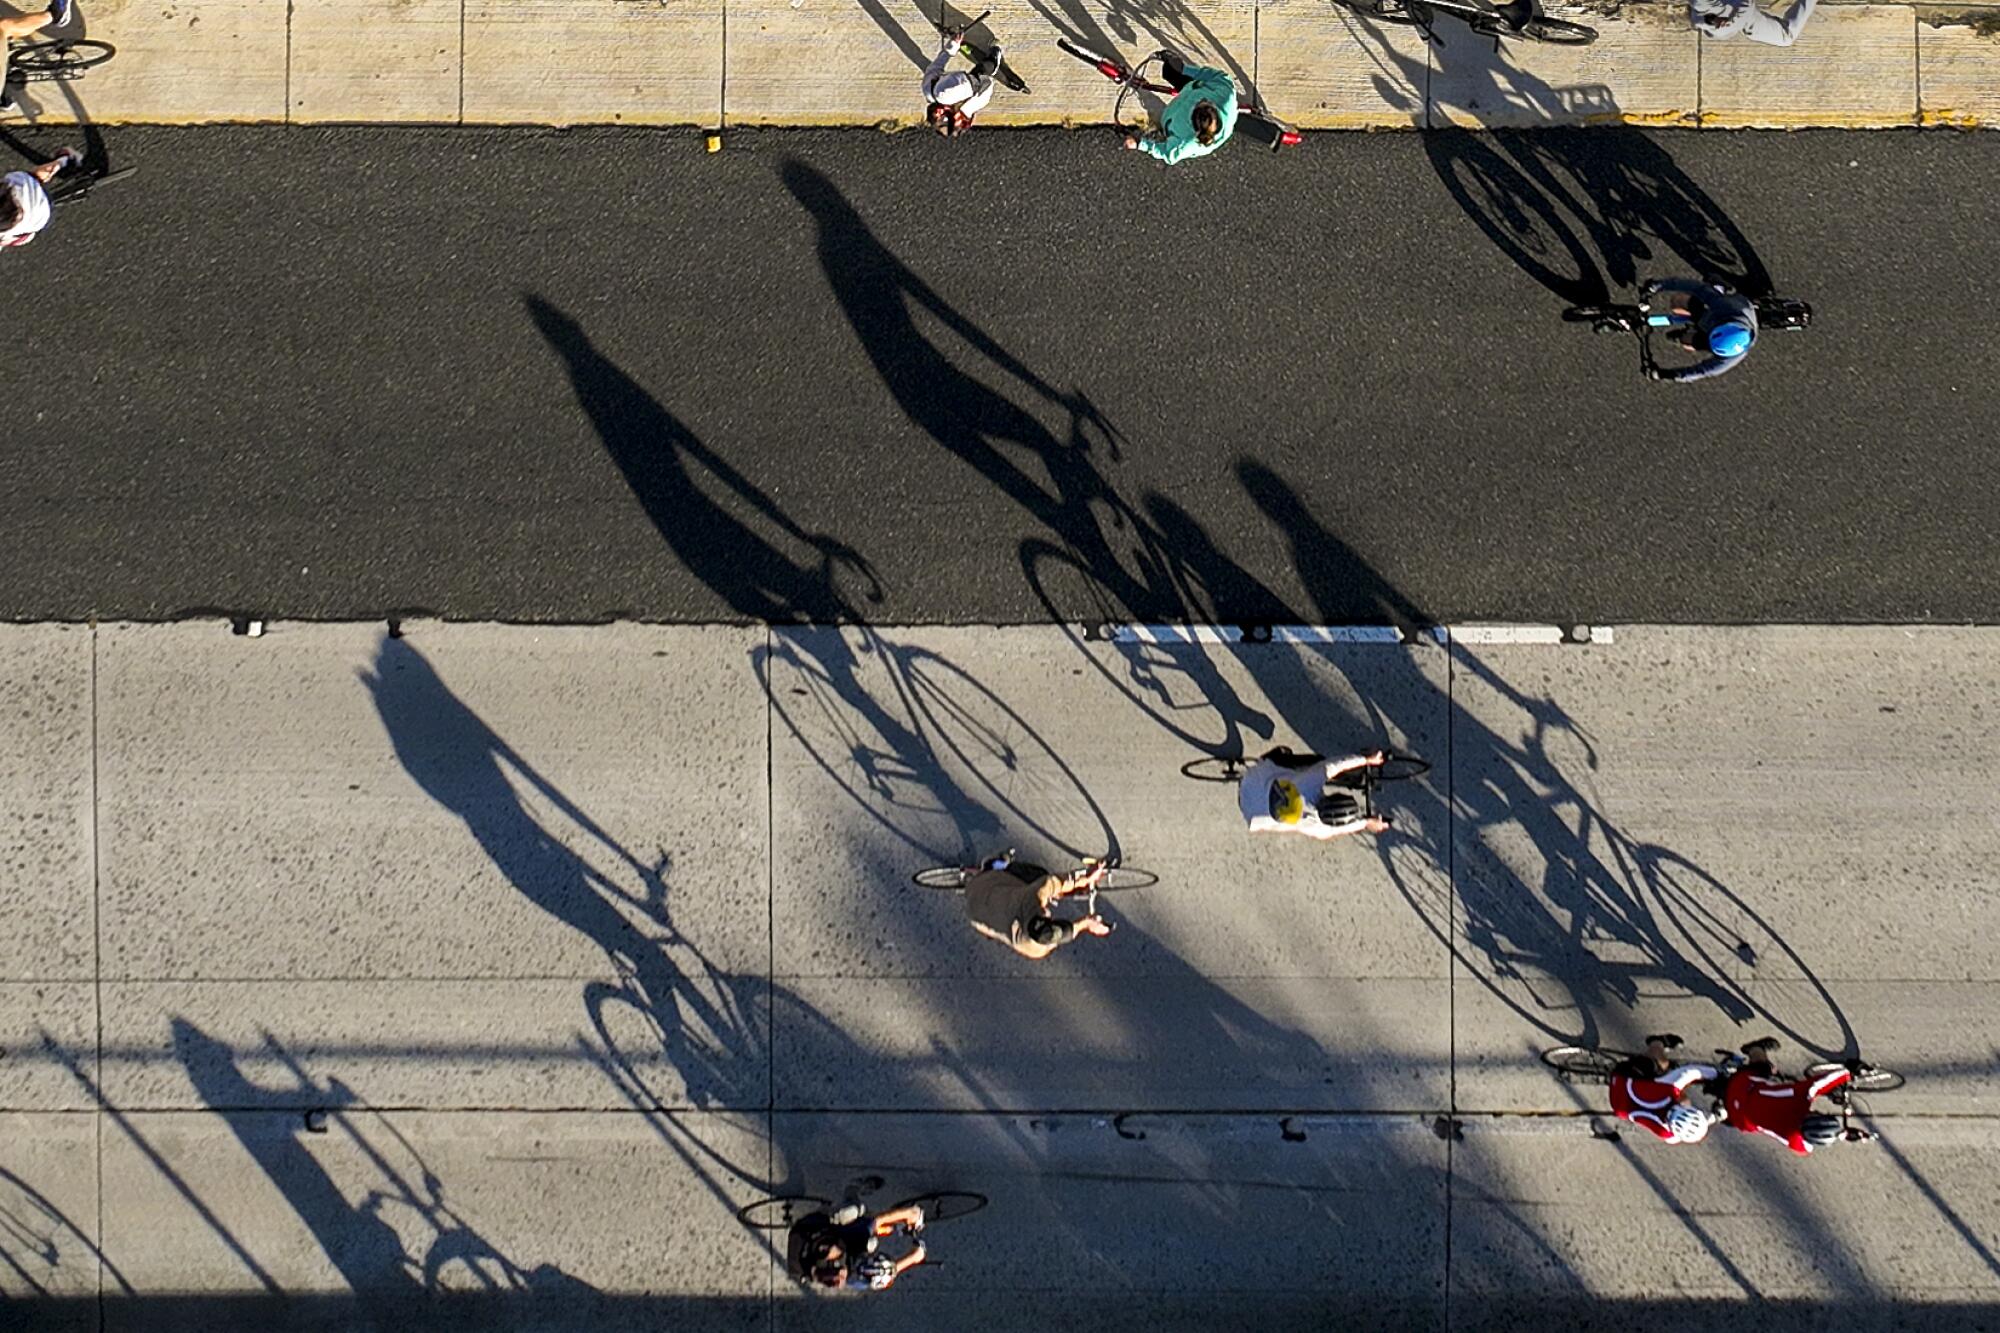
(1758,1100)
(1648,1092)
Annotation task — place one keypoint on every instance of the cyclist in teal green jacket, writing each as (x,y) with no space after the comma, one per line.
(1199,119)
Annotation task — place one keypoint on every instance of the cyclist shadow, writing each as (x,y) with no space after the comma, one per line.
(1535,946)
(1584,209)
(401,1240)
(915,339)
(670,1027)
(709,1022)
(768,568)
(1669,928)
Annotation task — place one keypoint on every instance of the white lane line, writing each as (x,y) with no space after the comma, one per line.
(1299,634)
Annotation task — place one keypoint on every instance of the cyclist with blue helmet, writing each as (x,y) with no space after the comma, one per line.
(1721,326)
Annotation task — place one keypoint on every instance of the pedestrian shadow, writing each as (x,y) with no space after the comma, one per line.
(911,48)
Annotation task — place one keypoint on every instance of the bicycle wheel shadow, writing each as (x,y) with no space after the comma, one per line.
(44,1251)
(938,759)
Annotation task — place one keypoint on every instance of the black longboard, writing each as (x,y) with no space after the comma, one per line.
(1005,74)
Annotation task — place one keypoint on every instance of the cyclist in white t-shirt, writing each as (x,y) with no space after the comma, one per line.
(24,198)
(1287,793)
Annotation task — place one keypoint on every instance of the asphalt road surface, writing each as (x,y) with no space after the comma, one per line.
(531,375)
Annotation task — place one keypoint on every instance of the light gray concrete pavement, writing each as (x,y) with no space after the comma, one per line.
(474,977)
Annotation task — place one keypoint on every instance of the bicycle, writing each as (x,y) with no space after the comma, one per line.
(1509,18)
(1773,312)
(1596,1065)
(1252,120)
(1116,878)
(1365,780)
(1004,75)
(780,1211)
(77,183)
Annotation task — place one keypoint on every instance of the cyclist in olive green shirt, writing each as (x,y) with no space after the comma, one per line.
(1200,118)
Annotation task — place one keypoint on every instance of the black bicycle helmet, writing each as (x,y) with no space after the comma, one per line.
(1337,807)
(1821,1129)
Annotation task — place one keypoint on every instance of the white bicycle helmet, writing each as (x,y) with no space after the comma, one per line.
(1688,1124)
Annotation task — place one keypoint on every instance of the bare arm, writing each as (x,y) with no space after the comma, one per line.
(21,25)
(885,1223)
(1680,1078)
(1335,767)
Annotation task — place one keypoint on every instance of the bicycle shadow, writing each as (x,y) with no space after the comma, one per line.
(941,368)
(401,1239)
(672,474)
(1678,927)
(1131,30)
(672,1027)
(1583,211)
(927,751)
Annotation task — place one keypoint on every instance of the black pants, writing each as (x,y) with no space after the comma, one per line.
(1174,68)
(984,63)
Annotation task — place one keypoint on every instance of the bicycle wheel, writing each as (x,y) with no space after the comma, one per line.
(1120,878)
(1216,768)
(1558,32)
(1871,1079)
(1401,768)
(1575,1062)
(946,1205)
(781,1212)
(59,60)
(940,877)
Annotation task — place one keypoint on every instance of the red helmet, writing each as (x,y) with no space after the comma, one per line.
(946,119)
